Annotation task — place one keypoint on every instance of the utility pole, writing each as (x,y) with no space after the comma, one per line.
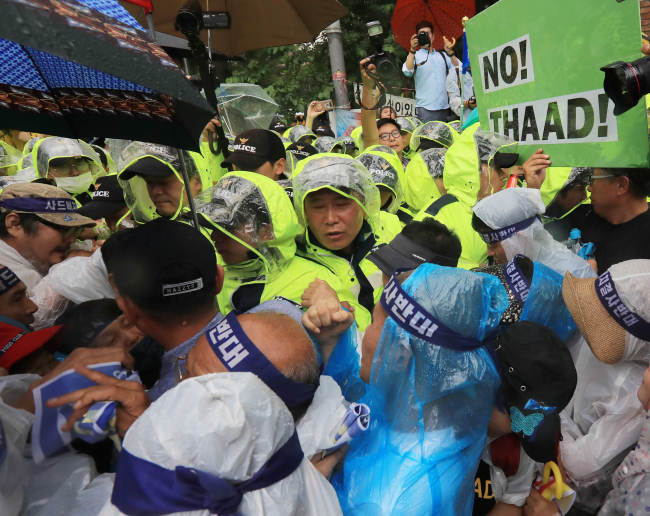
(337,63)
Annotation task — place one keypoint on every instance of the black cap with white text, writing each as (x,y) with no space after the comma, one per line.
(253,148)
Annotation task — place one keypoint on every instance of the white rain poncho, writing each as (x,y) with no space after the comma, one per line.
(300,131)
(385,174)
(226,425)
(9,159)
(514,205)
(56,147)
(342,174)
(438,132)
(135,189)
(607,414)
(430,404)
(328,144)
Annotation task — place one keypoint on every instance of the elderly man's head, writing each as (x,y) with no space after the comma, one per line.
(281,339)
(613,190)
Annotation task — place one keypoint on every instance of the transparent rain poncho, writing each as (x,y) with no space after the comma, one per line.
(430,405)
(29,146)
(380,148)
(9,159)
(290,165)
(115,147)
(456,126)
(438,132)
(56,147)
(299,131)
(27,162)
(558,178)
(415,120)
(342,174)
(406,124)
(260,220)
(488,143)
(419,189)
(110,163)
(435,161)
(328,144)
(25,175)
(228,425)
(514,205)
(135,189)
(384,174)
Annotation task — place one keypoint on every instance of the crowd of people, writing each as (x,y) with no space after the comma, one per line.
(482,336)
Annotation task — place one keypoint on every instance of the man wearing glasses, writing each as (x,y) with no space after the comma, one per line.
(617,221)
(38,223)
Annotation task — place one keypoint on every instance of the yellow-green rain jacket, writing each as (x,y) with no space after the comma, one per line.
(556,179)
(55,147)
(462,179)
(420,189)
(349,178)
(246,205)
(10,159)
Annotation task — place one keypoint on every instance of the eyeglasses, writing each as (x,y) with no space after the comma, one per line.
(66,232)
(81,164)
(178,374)
(592,178)
(386,136)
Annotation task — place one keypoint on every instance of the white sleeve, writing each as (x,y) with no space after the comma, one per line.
(453,91)
(406,71)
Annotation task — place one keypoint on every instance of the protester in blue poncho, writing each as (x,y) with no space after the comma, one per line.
(432,386)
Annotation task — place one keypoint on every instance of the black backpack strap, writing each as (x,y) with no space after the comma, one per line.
(404,217)
(435,207)
(246,297)
(366,292)
(443,54)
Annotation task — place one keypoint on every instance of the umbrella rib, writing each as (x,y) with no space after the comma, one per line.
(299,17)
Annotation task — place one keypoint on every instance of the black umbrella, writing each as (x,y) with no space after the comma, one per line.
(85,69)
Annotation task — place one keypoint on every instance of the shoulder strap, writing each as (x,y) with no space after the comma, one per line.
(404,216)
(246,297)
(442,54)
(366,292)
(435,207)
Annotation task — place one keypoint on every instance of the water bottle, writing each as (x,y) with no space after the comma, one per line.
(574,243)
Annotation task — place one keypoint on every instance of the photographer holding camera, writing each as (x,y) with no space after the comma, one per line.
(431,69)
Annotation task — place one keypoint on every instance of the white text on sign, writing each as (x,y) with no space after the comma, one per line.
(578,118)
(506,66)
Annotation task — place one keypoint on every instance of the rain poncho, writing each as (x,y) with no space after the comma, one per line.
(55,147)
(135,189)
(386,170)
(110,163)
(225,425)
(357,134)
(328,144)
(349,178)
(420,189)
(558,178)
(256,212)
(438,132)
(607,416)
(427,433)
(462,179)
(298,132)
(515,205)
(10,158)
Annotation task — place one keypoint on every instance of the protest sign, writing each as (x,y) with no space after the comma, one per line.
(536,70)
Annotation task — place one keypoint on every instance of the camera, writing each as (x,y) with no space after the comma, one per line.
(423,39)
(627,83)
(191,19)
(384,61)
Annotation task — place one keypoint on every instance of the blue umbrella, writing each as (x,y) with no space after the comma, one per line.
(86,68)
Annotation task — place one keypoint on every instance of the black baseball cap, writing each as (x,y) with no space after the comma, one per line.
(280,127)
(505,159)
(140,258)
(403,253)
(255,147)
(323,130)
(146,166)
(107,198)
(538,378)
(302,150)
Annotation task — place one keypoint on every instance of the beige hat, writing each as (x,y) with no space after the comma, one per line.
(49,203)
(610,306)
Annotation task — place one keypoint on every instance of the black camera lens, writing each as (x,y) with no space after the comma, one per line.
(627,83)
(423,39)
(189,19)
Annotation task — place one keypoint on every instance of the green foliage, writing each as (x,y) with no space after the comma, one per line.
(297,74)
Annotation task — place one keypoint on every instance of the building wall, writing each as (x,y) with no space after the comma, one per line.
(645,16)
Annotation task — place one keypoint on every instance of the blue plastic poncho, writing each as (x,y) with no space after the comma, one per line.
(430,405)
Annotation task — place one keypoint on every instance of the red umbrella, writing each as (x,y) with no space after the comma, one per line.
(445,15)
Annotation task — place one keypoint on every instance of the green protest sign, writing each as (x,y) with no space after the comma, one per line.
(536,69)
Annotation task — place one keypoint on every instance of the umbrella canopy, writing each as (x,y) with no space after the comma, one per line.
(86,68)
(245,106)
(255,23)
(445,15)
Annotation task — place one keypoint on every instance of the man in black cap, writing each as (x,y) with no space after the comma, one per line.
(108,203)
(426,241)
(302,150)
(259,151)
(324,130)
(279,127)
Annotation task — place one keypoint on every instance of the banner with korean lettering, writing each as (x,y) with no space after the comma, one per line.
(536,69)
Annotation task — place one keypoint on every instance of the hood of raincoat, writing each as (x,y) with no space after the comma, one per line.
(386,170)
(328,144)
(252,207)
(342,174)
(438,132)
(135,189)
(299,131)
(462,174)
(420,454)
(406,124)
(419,189)
(56,147)
(9,159)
